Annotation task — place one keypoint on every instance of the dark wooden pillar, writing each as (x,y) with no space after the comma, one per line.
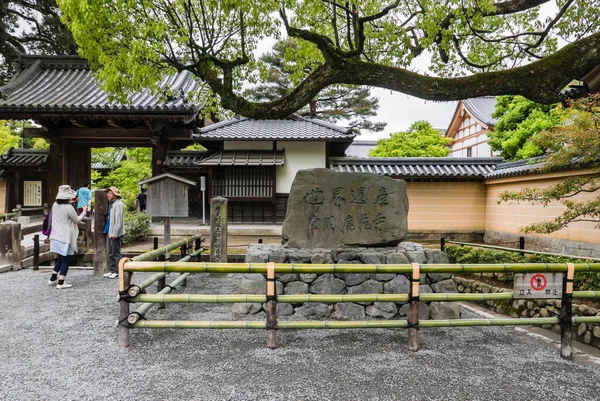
(100,210)
(55,177)
(159,152)
(78,164)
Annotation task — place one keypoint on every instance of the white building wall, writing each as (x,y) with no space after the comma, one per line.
(298,156)
(248,145)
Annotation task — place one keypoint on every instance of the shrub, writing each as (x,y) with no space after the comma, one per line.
(473,255)
(137,225)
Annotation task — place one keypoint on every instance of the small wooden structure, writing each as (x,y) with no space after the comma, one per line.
(167,197)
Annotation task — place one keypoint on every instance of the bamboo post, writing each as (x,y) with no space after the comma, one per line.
(271,307)
(124,282)
(413,310)
(99,241)
(36,252)
(160,284)
(442,243)
(566,314)
(183,254)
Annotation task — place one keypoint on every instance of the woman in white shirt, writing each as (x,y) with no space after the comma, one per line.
(63,237)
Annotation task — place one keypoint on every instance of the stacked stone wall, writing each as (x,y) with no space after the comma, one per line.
(588,333)
(403,253)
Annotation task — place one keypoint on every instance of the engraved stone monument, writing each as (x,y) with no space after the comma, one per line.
(328,209)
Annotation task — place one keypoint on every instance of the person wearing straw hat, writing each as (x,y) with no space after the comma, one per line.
(115,230)
(63,237)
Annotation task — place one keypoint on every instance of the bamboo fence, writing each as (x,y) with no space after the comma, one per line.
(566,320)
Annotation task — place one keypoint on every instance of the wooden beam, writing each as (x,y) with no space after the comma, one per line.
(78,123)
(113,124)
(35,133)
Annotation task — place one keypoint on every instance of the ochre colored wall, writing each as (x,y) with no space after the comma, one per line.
(446,206)
(2,196)
(510,217)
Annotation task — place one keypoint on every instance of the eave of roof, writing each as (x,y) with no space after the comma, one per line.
(419,168)
(245,158)
(24,158)
(297,129)
(65,84)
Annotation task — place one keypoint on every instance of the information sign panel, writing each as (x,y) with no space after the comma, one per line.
(538,285)
(32,193)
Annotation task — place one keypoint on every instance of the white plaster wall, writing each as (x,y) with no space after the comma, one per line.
(248,145)
(298,156)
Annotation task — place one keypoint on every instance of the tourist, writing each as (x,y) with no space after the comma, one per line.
(84,198)
(140,202)
(63,238)
(115,230)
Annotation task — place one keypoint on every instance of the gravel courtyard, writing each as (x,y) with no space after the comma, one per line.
(62,345)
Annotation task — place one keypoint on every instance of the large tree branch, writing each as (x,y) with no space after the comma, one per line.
(540,81)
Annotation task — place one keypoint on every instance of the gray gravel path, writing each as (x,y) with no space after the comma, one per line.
(56,345)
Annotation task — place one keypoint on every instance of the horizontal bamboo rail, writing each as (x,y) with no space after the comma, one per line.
(502,248)
(308,324)
(136,289)
(313,324)
(321,298)
(164,249)
(207,267)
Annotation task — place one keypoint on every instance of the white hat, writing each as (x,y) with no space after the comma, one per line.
(65,192)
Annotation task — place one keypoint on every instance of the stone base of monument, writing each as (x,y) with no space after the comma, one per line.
(403,253)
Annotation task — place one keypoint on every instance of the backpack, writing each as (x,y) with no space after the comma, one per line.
(47,224)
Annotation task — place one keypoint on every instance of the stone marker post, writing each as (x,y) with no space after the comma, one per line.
(100,210)
(10,244)
(218,230)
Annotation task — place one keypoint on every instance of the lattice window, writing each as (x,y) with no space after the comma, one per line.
(243,182)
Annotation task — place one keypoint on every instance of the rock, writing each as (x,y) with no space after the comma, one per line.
(383,276)
(278,288)
(435,256)
(348,311)
(308,277)
(343,254)
(423,311)
(295,287)
(278,256)
(372,258)
(416,257)
(284,309)
(299,256)
(581,330)
(257,254)
(253,284)
(353,278)
(386,310)
(368,287)
(436,277)
(321,259)
(312,311)
(399,285)
(587,338)
(597,331)
(286,278)
(327,284)
(425,289)
(444,286)
(397,258)
(327,209)
(444,310)
(544,312)
(245,308)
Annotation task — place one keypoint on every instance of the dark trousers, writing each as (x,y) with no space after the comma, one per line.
(114,255)
(61,266)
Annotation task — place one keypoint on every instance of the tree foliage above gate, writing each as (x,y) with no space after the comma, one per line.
(367,42)
(34,27)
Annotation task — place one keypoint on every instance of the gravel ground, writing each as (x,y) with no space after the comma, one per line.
(57,345)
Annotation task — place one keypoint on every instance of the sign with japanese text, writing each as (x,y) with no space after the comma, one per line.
(32,193)
(538,285)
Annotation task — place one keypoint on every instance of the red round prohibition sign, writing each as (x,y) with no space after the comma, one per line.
(538,282)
